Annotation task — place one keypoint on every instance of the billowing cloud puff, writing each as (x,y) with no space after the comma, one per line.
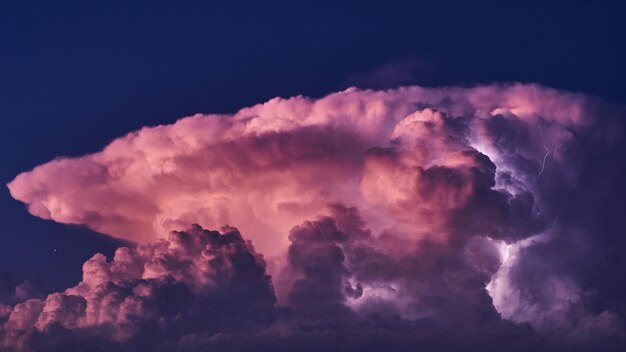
(449,207)
(15,289)
(196,281)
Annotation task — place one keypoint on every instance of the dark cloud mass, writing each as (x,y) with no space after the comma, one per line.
(443,219)
(196,281)
(204,290)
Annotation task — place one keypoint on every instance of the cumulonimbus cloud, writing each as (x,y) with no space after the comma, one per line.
(274,165)
(421,203)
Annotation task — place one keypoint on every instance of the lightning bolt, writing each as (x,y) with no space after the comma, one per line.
(545,147)
(545,157)
(557,147)
(507,252)
(321,232)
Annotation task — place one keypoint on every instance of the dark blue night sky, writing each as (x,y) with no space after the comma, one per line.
(76,75)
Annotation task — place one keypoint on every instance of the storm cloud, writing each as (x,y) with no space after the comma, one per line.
(403,215)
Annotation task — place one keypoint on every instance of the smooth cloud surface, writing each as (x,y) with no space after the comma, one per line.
(419,208)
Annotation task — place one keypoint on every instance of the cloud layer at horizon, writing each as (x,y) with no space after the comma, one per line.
(466,207)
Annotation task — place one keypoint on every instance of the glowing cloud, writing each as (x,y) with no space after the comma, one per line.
(414,202)
(271,166)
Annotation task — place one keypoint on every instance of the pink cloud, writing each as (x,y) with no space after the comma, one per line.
(169,284)
(434,181)
(271,166)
